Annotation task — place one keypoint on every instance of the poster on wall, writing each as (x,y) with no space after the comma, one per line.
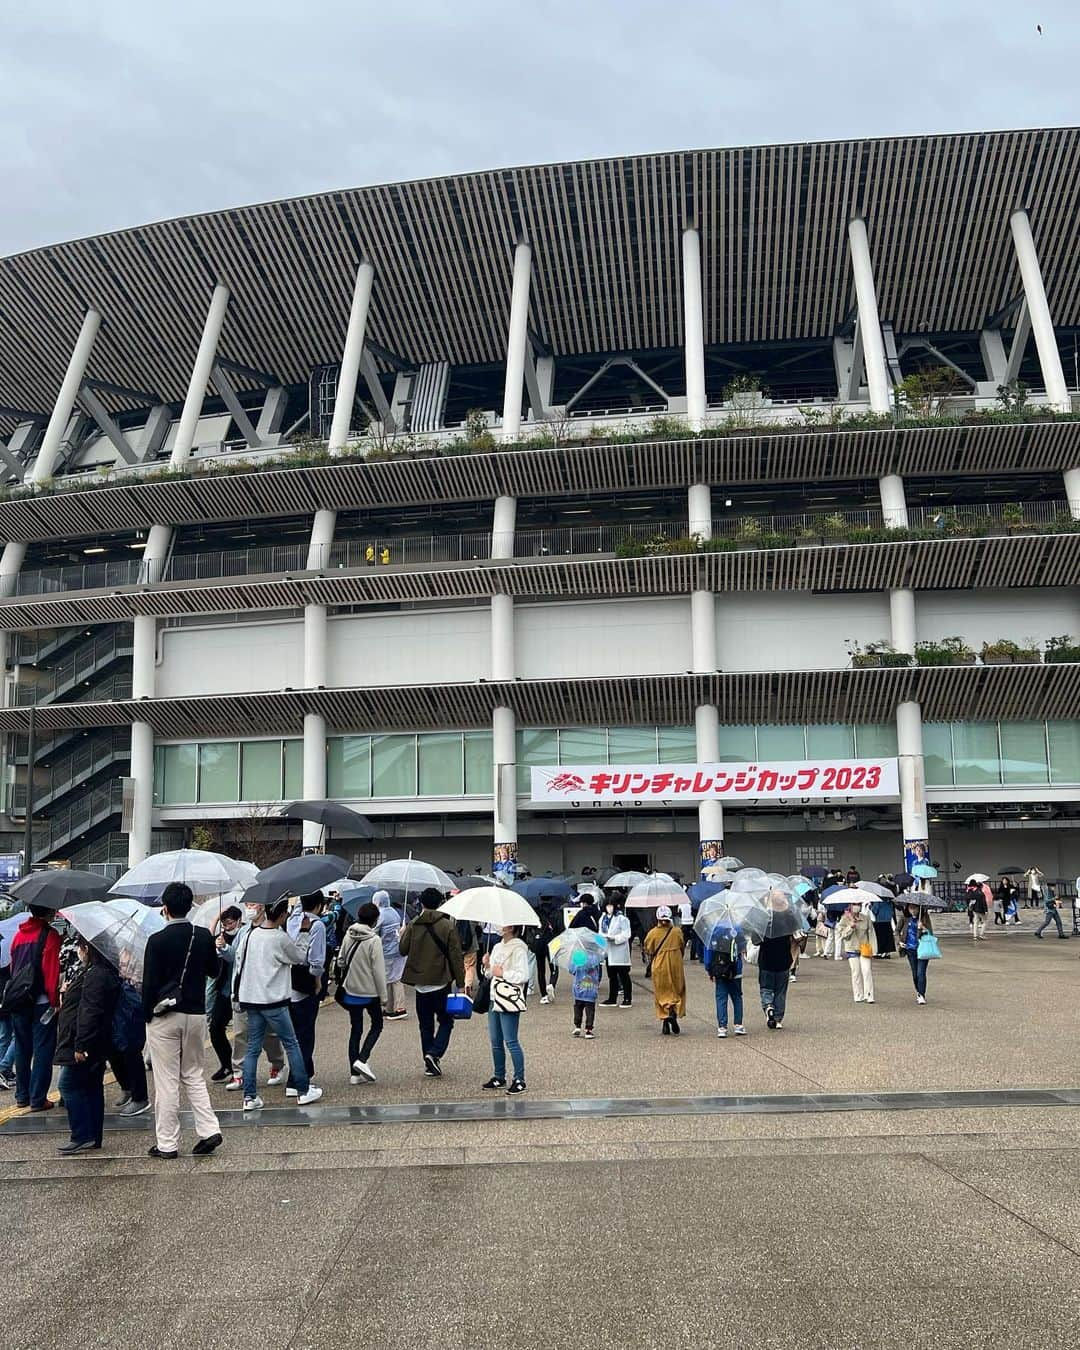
(916,851)
(709,851)
(504,864)
(675,784)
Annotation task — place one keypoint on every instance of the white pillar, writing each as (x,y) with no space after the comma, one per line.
(704,660)
(693,330)
(902,620)
(350,358)
(877,376)
(503,524)
(65,399)
(502,637)
(703,632)
(200,378)
(516,341)
(143,658)
(11,560)
(1039,311)
(1072,492)
(893,502)
(710,813)
(912,773)
(504,801)
(315,626)
(699,508)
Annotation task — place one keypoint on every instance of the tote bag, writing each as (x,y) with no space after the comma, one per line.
(928,949)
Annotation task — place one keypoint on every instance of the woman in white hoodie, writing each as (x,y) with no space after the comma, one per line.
(361,976)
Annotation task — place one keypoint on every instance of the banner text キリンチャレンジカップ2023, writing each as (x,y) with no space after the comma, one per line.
(668,784)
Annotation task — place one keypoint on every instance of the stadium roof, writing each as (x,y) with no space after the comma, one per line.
(606,259)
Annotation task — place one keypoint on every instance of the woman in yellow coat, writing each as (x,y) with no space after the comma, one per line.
(664,953)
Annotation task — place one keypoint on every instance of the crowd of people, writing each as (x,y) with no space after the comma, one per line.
(252,985)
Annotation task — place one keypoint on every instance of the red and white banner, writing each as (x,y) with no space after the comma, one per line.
(778,780)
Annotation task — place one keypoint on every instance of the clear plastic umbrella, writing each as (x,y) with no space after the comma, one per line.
(714,872)
(740,910)
(118,929)
(840,897)
(628,880)
(576,948)
(410,875)
(497,905)
(206,873)
(784,913)
(206,913)
(652,892)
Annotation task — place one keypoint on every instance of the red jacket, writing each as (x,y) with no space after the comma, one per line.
(22,950)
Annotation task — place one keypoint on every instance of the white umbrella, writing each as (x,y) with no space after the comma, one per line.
(495,905)
(627,880)
(654,891)
(206,873)
(211,909)
(119,929)
(978,877)
(410,875)
(849,895)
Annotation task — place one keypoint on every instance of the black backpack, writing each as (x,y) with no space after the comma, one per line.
(28,983)
(725,962)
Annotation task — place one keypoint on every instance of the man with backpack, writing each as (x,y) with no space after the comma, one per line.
(433,963)
(32,997)
(724,966)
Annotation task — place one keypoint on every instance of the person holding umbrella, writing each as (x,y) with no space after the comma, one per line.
(82,1045)
(615,926)
(914,924)
(31,998)
(508,965)
(856,930)
(976,905)
(664,952)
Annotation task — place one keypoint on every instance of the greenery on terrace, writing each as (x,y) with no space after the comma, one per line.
(921,401)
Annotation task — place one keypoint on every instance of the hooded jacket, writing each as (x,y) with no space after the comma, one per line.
(361,963)
(425,962)
(86,1014)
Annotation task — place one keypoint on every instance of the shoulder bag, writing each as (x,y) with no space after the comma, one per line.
(928,949)
(507,997)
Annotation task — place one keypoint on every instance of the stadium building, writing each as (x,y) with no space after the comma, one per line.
(628,471)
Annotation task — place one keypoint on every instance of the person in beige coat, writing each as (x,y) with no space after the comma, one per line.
(361,976)
(856,932)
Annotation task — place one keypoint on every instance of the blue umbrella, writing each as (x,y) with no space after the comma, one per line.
(924,870)
(354,897)
(535,888)
(703,890)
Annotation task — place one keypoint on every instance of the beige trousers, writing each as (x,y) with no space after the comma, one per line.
(395,997)
(177,1048)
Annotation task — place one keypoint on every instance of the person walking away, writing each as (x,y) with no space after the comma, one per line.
(1033,880)
(856,931)
(1052,912)
(388,927)
(127,1043)
(363,987)
(434,962)
(585,990)
(588,916)
(852,876)
(179,960)
(615,926)
(774,966)
(31,999)
(664,953)
(307,979)
(84,1030)
(724,966)
(540,943)
(253,916)
(976,910)
(914,923)
(883,912)
(225,929)
(508,965)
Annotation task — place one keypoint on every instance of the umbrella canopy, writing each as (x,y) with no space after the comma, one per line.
(60,886)
(497,905)
(355,896)
(977,877)
(8,928)
(1009,872)
(577,947)
(728,863)
(714,872)
(295,876)
(815,873)
(924,871)
(876,888)
(212,909)
(784,914)
(652,892)
(903,879)
(921,900)
(739,910)
(118,929)
(466,883)
(534,889)
(206,873)
(331,814)
(627,880)
(701,891)
(410,875)
(839,897)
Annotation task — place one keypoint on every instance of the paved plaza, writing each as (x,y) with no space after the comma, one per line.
(897,1220)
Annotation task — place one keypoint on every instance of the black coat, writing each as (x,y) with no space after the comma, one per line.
(588,916)
(86,1015)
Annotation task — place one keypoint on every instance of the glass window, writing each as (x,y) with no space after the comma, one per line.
(441,768)
(1064,751)
(975,753)
(738,745)
(632,745)
(479,776)
(780,743)
(534,747)
(260,771)
(294,771)
(937,753)
(876,742)
(393,766)
(1023,752)
(348,766)
(677,745)
(219,771)
(583,745)
(833,741)
(178,776)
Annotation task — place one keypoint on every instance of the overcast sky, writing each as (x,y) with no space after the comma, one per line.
(124,111)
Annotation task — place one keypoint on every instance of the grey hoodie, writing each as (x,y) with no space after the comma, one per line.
(262,967)
(366,976)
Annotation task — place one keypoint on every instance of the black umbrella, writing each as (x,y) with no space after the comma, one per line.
(331,814)
(1010,871)
(60,886)
(815,873)
(903,879)
(296,876)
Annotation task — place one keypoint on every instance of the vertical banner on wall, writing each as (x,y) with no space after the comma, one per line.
(915,851)
(504,865)
(709,851)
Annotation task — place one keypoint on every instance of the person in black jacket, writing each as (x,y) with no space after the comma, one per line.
(774,972)
(83,1035)
(588,916)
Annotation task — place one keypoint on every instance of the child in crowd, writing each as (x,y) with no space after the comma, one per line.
(585,967)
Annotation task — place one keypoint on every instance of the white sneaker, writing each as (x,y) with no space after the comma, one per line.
(311,1095)
(919,998)
(234,1084)
(276,1077)
(291,1092)
(576,1031)
(869,1000)
(360,1067)
(740,1031)
(253,1103)
(721,1033)
(355,1080)
(860,999)
(545,999)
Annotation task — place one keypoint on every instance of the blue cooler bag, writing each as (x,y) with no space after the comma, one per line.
(459,1007)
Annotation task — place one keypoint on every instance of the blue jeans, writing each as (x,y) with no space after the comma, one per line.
(726,989)
(7,1043)
(1052,916)
(918,970)
(277,1019)
(772,985)
(34,1048)
(84,1097)
(503,1033)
